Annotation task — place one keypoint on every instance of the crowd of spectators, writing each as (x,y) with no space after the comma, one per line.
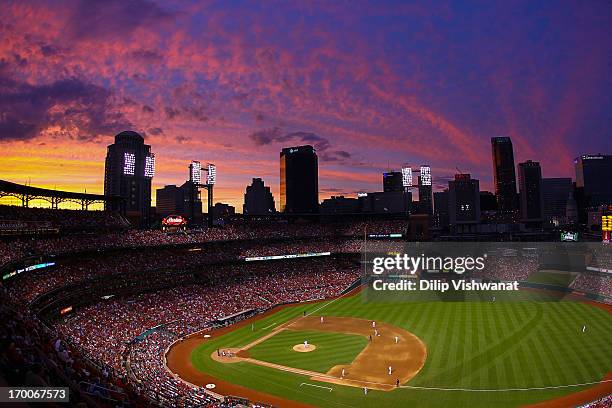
(31,355)
(102,334)
(508,266)
(17,248)
(605,402)
(103,329)
(148,373)
(28,286)
(598,283)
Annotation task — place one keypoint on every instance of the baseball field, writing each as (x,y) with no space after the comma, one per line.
(515,351)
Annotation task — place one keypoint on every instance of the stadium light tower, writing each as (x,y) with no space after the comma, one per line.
(406,176)
(407,183)
(211,178)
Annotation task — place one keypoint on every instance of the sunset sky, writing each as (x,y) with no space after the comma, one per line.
(371,85)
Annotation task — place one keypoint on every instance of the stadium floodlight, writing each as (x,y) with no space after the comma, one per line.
(194,172)
(211,174)
(406,176)
(425,175)
(149,170)
(129,163)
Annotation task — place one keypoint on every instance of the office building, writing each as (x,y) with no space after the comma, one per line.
(184,201)
(258,199)
(222,211)
(530,192)
(594,178)
(299,180)
(504,176)
(392,202)
(464,203)
(392,181)
(440,217)
(340,205)
(555,193)
(488,201)
(170,201)
(128,170)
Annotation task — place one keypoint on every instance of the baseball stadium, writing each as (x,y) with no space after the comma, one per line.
(305,204)
(268,314)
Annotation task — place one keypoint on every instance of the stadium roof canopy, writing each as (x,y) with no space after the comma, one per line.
(28,193)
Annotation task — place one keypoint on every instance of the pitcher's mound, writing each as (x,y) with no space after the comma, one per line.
(300,348)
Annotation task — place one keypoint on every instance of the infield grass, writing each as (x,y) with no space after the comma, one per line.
(482,345)
(331,349)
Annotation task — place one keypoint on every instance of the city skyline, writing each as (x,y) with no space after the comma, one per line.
(369,86)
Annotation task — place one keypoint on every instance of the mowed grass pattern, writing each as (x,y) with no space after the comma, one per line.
(562,279)
(473,345)
(331,349)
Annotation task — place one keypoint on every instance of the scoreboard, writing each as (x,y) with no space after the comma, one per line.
(606,222)
(606,227)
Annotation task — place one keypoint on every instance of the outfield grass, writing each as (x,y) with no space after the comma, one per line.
(473,345)
(562,279)
(331,349)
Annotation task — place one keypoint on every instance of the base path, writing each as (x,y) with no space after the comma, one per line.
(388,346)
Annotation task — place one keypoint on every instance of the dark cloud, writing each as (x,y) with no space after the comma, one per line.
(171,113)
(49,50)
(156,131)
(73,107)
(147,109)
(186,112)
(147,55)
(267,136)
(114,19)
(321,144)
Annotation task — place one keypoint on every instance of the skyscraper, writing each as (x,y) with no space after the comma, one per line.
(258,199)
(503,174)
(555,193)
(169,201)
(299,180)
(594,178)
(128,171)
(392,181)
(184,200)
(440,218)
(464,203)
(425,197)
(530,190)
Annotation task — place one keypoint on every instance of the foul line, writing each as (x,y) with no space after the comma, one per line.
(318,386)
(504,389)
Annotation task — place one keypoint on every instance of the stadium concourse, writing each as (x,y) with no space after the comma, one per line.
(111,300)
